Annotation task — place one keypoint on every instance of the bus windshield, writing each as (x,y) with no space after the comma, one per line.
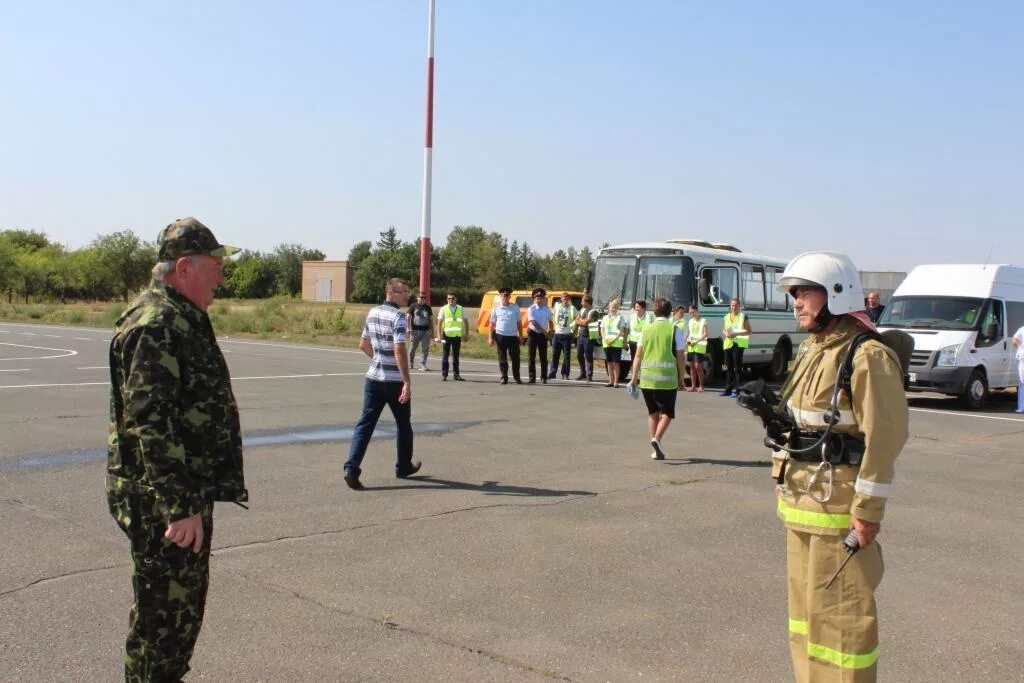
(614,277)
(631,278)
(932,312)
(668,276)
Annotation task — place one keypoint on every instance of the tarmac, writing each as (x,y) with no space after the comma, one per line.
(539,541)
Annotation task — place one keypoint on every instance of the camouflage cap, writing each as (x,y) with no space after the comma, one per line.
(187,236)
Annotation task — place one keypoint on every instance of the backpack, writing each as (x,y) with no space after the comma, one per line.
(897,340)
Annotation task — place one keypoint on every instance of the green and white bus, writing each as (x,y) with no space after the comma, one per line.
(687,271)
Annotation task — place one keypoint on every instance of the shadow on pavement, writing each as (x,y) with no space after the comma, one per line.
(488,487)
(707,461)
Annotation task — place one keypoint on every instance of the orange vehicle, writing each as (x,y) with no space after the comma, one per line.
(523,298)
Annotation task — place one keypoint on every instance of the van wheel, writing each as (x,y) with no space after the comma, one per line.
(776,370)
(976,393)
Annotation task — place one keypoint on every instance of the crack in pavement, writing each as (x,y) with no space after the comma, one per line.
(358,527)
(410,630)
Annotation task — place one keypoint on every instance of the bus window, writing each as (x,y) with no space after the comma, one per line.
(717,285)
(777,299)
(753,286)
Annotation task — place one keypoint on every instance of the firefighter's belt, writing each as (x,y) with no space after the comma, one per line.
(841,449)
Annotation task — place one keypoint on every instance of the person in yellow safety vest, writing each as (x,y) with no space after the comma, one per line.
(588,336)
(563,317)
(735,338)
(452,328)
(824,491)
(637,319)
(659,366)
(613,331)
(679,320)
(696,348)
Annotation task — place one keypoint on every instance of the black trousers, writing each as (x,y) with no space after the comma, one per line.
(733,367)
(508,345)
(585,355)
(451,345)
(627,368)
(538,342)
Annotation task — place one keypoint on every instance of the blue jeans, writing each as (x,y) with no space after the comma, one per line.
(376,395)
(560,345)
(1020,397)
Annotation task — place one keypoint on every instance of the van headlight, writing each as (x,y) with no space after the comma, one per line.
(947,356)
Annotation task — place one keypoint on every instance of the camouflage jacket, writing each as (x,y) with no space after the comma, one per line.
(174,427)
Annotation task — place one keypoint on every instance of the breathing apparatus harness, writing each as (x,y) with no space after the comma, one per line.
(781,431)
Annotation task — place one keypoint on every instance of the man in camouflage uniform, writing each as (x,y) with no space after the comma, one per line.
(175,447)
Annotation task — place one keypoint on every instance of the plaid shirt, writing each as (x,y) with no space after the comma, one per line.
(385,327)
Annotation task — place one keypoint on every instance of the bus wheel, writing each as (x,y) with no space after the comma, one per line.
(712,362)
(976,393)
(776,370)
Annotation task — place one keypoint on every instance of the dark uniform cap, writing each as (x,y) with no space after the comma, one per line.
(187,236)
(539,292)
(505,290)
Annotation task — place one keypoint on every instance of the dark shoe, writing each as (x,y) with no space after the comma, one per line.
(727,392)
(544,381)
(590,378)
(609,385)
(444,378)
(504,380)
(658,454)
(412,470)
(580,378)
(518,381)
(532,381)
(458,378)
(352,479)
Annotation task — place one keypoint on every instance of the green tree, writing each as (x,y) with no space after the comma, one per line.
(127,260)
(358,253)
(251,276)
(389,258)
(289,258)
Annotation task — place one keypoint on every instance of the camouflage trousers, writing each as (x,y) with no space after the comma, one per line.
(170,585)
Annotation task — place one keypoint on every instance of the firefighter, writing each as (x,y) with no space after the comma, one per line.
(839,477)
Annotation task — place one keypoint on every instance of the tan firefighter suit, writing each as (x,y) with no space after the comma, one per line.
(833,633)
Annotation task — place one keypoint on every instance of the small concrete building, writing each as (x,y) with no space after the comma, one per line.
(326,281)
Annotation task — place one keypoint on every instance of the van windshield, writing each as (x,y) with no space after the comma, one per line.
(932,312)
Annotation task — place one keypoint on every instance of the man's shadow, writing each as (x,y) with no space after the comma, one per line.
(491,488)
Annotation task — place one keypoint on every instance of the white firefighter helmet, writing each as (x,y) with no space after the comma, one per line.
(835,272)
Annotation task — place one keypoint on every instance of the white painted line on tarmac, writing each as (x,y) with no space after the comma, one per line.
(44,386)
(82,338)
(94,367)
(64,352)
(974,415)
(55,336)
(15,370)
(233,379)
(325,374)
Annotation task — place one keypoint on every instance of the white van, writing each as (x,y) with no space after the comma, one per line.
(962,318)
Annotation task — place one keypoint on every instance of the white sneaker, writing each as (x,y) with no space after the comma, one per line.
(423,368)
(658,454)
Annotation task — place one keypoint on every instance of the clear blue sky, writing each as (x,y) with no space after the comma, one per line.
(890,131)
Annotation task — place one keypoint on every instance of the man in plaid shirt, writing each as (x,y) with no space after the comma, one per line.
(387,383)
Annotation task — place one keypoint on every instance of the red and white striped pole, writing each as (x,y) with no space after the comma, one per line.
(428,161)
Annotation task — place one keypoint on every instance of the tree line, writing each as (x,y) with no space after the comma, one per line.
(471,261)
(115,266)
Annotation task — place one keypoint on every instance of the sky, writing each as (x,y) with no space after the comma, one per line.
(891,131)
